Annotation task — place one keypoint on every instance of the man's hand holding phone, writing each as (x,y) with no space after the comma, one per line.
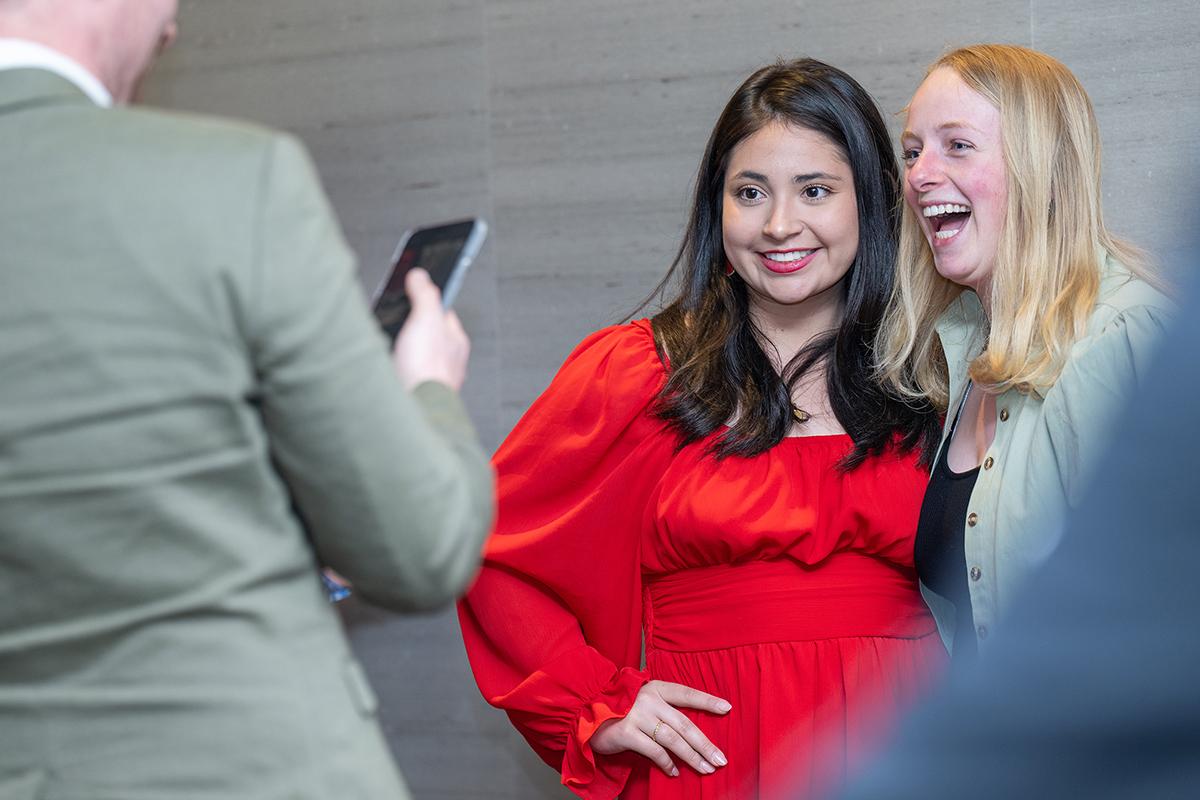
(431,345)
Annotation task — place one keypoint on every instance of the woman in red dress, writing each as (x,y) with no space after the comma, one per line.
(728,482)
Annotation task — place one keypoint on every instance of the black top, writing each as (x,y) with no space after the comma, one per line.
(939,551)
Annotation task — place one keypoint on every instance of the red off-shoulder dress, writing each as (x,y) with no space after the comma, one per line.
(776,582)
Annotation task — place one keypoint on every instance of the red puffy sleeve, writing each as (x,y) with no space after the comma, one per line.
(552,625)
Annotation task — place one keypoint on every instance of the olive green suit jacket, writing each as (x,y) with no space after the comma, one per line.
(195,409)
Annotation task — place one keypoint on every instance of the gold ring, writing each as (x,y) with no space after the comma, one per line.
(654,735)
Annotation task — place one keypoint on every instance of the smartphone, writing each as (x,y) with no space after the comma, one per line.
(444,251)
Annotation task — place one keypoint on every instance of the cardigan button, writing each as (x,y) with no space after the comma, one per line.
(972,519)
(1004,415)
(976,573)
(988,462)
(982,631)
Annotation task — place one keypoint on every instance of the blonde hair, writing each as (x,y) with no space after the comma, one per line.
(1046,273)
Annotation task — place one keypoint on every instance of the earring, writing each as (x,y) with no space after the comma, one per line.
(728,269)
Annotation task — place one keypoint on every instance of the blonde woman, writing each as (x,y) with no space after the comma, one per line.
(1016,312)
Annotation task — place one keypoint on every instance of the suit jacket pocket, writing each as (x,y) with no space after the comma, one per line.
(359,687)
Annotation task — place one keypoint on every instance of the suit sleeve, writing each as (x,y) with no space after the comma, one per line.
(394,488)
(553,624)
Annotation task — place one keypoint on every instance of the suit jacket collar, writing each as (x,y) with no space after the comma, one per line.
(23,88)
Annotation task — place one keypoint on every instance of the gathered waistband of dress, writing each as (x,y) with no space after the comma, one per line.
(730,605)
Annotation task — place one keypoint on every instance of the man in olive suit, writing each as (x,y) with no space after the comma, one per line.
(196,409)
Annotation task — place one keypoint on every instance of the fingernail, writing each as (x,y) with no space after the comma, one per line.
(674,772)
(723,706)
(718,758)
(707,768)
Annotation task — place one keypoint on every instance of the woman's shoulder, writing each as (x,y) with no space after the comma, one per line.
(1126,297)
(1123,332)
(601,393)
(635,333)
(630,344)
(612,373)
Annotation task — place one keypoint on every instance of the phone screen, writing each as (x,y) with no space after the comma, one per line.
(444,251)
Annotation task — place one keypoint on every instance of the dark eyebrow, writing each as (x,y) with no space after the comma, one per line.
(805,178)
(815,176)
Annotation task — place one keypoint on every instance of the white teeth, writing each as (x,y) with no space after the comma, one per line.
(791,255)
(947,234)
(946,208)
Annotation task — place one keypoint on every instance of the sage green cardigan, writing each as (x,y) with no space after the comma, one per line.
(1047,445)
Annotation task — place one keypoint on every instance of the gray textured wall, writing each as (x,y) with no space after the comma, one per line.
(575,128)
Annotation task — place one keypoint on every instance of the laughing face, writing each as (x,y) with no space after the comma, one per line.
(955,179)
(790,218)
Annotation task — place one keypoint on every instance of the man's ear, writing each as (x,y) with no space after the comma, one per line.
(169,34)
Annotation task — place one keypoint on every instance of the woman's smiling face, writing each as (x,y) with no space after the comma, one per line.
(789,217)
(955,179)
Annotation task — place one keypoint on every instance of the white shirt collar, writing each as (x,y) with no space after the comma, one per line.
(24,54)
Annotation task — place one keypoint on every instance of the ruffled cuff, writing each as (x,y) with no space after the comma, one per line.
(581,772)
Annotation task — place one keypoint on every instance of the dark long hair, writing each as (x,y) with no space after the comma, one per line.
(719,368)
